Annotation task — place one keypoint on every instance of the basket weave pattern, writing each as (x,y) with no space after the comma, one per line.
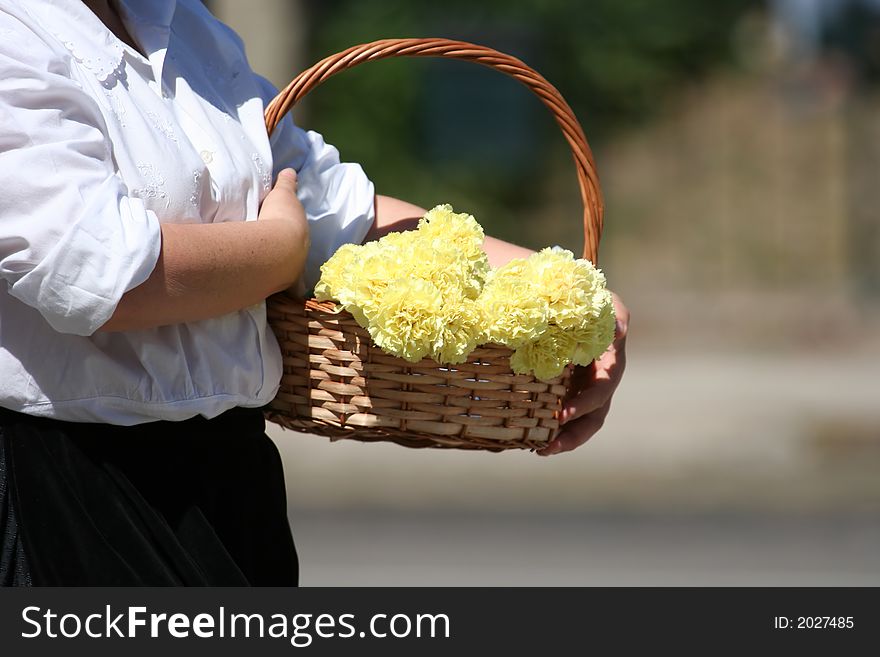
(337,383)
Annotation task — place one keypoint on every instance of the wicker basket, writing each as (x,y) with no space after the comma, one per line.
(337,383)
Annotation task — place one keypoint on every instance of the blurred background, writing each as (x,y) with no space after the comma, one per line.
(738,144)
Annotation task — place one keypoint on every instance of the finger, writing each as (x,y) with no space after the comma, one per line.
(577,432)
(594,386)
(287,179)
(285,185)
(281,197)
(621,314)
(621,324)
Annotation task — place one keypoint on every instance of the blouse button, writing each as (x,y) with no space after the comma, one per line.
(207,156)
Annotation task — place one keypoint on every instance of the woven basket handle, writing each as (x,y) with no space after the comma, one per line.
(591,195)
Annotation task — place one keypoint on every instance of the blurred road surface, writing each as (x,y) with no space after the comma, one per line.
(364,548)
(728,469)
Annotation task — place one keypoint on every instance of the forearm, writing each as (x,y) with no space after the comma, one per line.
(395,215)
(207,270)
(501,252)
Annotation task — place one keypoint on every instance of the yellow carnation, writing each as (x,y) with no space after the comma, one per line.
(596,332)
(456,240)
(408,320)
(571,287)
(514,313)
(460,331)
(460,229)
(335,273)
(546,356)
(443,265)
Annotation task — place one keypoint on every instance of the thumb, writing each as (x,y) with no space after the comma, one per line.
(287,180)
(284,191)
(282,198)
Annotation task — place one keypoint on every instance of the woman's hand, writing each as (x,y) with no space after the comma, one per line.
(282,207)
(589,397)
(282,204)
(208,270)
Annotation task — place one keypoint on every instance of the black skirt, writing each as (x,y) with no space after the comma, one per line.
(193,503)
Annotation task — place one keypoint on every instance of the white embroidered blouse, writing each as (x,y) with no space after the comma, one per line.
(98,146)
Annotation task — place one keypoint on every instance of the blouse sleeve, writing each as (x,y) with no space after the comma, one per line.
(72,241)
(337,196)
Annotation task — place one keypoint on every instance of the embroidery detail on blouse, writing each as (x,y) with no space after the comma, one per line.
(265,178)
(164,126)
(154,182)
(102,54)
(196,194)
(102,67)
(116,107)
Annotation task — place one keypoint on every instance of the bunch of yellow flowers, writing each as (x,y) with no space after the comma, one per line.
(430,292)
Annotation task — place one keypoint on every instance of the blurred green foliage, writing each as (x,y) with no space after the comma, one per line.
(434,132)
